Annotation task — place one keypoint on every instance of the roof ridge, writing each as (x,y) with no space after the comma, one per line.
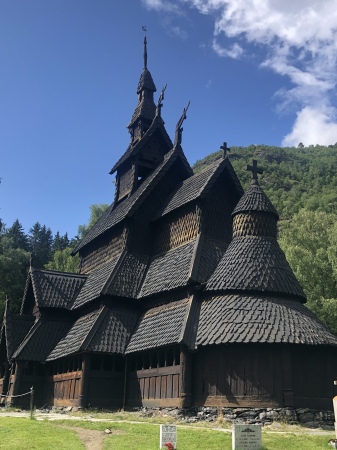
(114,272)
(97,322)
(194,266)
(58,272)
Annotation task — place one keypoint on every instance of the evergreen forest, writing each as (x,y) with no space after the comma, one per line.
(301,183)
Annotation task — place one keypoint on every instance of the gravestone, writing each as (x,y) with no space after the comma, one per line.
(246,437)
(168,434)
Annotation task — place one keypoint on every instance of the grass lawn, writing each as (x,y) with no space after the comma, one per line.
(146,436)
(25,434)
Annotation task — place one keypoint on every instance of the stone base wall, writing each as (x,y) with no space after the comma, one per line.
(265,416)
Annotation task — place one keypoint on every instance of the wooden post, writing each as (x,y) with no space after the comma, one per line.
(32,402)
(17,381)
(5,379)
(287,378)
(84,388)
(125,381)
(185,378)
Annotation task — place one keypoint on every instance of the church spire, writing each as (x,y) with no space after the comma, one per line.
(146,109)
(145,52)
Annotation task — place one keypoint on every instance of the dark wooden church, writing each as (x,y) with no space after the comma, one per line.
(183,296)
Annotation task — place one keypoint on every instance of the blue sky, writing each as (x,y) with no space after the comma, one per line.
(255,71)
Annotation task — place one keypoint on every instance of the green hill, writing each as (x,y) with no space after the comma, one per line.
(293,178)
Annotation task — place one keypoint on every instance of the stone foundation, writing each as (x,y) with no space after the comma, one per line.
(264,416)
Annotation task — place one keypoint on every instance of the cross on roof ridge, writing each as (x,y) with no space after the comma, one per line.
(225,149)
(255,170)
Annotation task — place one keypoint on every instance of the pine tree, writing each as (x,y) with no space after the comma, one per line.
(40,240)
(18,236)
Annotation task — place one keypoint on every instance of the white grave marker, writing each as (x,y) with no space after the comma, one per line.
(168,434)
(246,437)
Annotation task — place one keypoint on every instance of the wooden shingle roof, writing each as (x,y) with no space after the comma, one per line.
(129,276)
(169,270)
(146,81)
(239,318)
(54,289)
(255,199)
(41,340)
(255,263)
(197,186)
(104,330)
(156,127)
(160,326)
(16,327)
(127,207)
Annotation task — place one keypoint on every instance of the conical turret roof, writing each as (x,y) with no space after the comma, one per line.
(254,261)
(146,81)
(255,200)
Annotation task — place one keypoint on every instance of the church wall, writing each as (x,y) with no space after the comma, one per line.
(237,375)
(153,378)
(217,209)
(314,371)
(125,181)
(264,375)
(106,381)
(104,387)
(177,228)
(103,250)
(27,374)
(142,230)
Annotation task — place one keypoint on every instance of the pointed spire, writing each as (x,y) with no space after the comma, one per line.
(145,52)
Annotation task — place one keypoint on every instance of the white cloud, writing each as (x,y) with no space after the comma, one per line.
(313,126)
(234,52)
(178,31)
(298,40)
(161,5)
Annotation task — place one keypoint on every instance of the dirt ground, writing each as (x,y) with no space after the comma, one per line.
(92,439)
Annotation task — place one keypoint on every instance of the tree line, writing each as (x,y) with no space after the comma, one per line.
(39,248)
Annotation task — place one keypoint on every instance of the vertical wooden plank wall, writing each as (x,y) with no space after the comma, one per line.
(234,375)
(154,387)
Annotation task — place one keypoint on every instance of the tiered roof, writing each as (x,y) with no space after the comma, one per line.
(253,295)
(105,330)
(168,324)
(237,318)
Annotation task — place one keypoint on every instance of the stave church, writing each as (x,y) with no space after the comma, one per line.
(183,296)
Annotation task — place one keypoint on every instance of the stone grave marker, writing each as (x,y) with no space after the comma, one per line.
(168,434)
(246,437)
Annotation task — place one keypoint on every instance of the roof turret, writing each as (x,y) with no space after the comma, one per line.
(254,261)
(146,109)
